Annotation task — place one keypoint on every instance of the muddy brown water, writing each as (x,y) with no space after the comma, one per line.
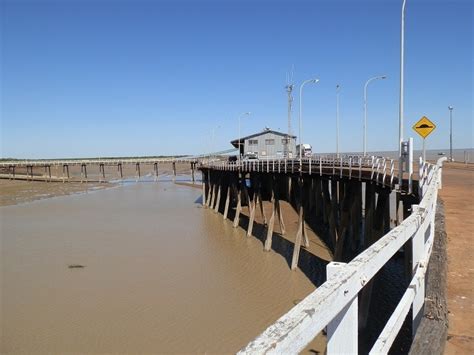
(161,274)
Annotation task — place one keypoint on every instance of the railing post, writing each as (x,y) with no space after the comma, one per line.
(410,168)
(203,180)
(420,178)
(342,331)
(392,169)
(372,171)
(440,170)
(350,168)
(418,251)
(377,171)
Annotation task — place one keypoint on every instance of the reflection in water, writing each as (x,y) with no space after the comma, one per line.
(160,274)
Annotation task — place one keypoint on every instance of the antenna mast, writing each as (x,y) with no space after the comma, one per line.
(289,89)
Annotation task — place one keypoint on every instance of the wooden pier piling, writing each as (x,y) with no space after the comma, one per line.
(83,172)
(227,202)
(300,234)
(119,171)
(12,169)
(271,221)
(155,169)
(218,199)
(203,185)
(137,171)
(239,204)
(102,172)
(65,172)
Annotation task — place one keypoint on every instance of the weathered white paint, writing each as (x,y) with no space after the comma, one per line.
(342,332)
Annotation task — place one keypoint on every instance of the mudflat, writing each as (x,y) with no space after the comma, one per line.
(458,196)
(14,192)
(141,268)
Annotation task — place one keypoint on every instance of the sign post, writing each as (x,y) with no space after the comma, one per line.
(424,127)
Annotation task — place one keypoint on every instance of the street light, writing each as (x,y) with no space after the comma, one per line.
(313,81)
(450,132)
(241,115)
(365,109)
(338,89)
(400,105)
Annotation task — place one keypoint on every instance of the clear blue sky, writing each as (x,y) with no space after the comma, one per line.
(122,78)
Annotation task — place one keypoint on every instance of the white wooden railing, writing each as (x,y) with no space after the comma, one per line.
(334,304)
(380,169)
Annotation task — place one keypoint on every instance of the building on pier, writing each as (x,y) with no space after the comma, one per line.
(268,144)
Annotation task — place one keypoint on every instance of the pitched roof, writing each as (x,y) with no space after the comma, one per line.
(265,131)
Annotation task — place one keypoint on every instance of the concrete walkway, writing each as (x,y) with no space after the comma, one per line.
(458,196)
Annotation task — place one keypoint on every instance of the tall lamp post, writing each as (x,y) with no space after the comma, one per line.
(365,108)
(240,116)
(400,105)
(313,81)
(450,132)
(338,90)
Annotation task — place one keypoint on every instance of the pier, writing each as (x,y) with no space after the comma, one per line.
(40,170)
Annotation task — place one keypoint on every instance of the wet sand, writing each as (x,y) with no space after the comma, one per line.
(161,274)
(458,196)
(13,192)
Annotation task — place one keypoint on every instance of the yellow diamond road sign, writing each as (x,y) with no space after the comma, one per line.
(424,127)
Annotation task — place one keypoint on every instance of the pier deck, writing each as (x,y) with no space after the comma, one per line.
(458,196)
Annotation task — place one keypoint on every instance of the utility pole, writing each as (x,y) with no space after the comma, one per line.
(289,90)
(450,132)
(338,89)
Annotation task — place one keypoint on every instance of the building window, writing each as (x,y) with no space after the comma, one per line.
(269,141)
(285,141)
(253,141)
